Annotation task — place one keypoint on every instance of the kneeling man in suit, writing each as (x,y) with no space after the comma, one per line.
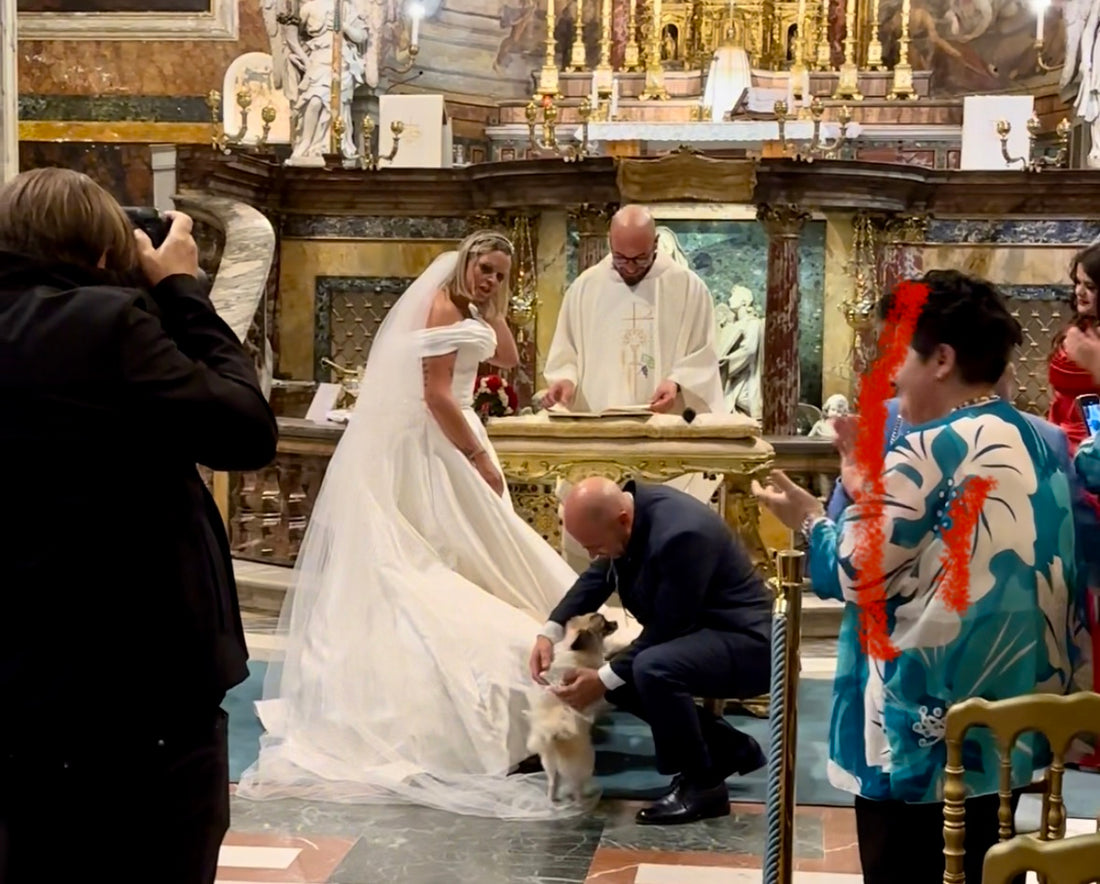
(706,618)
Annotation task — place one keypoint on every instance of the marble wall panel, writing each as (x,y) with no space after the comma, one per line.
(123,169)
(135,67)
(302,262)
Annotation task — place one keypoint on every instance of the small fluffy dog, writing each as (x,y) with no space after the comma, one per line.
(560,735)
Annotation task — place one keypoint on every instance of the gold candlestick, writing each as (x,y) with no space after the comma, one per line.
(654,70)
(824,61)
(631,60)
(874,48)
(604,74)
(798,66)
(548,75)
(903,71)
(847,85)
(577,55)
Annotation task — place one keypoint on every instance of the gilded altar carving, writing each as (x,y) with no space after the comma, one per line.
(686,174)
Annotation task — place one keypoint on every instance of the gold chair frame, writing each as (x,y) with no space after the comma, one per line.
(1073,860)
(1058,718)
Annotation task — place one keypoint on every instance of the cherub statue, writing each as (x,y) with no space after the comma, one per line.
(836,406)
(302,35)
(741,352)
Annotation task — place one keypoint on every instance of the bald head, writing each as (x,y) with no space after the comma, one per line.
(633,238)
(598,514)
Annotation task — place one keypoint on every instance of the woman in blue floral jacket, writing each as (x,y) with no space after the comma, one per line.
(1021,632)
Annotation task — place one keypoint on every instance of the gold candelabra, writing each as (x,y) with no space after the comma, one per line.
(817,147)
(654,71)
(416,13)
(1037,159)
(548,143)
(224,142)
(369,159)
(548,75)
(1041,65)
(902,87)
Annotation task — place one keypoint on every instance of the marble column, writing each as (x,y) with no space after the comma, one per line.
(9,92)
(783,225)
(901,253)
(591,222)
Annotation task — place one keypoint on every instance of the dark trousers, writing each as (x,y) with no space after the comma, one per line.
(664,681)
(902,843)
(149,808)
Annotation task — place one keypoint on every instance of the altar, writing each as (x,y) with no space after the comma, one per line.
(539,451)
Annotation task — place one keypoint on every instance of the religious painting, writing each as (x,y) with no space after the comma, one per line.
(974,46)
(128,19)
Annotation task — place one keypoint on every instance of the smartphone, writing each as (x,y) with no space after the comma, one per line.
(1089,406)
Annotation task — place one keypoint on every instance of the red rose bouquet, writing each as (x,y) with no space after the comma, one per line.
(494,397)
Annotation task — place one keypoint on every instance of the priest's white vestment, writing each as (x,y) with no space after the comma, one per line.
(616,342)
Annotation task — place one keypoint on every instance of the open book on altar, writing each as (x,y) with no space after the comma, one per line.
(619,411)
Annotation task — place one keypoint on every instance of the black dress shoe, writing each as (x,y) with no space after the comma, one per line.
(748,758)
(687,804)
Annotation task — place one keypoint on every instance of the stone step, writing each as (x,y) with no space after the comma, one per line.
(261,588)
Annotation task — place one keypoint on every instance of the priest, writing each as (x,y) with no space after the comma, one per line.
(636,329)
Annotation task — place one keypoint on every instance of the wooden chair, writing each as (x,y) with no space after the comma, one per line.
(1067,861)
(1060,719)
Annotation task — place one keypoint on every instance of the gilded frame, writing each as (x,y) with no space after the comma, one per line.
(220,23)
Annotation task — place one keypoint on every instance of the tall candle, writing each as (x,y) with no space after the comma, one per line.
(417,13)
(1040,20)
(614,97)
(801,23)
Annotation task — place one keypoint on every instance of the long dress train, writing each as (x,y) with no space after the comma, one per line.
(416,600)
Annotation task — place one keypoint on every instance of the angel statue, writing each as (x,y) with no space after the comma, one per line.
(1082,19)
(740,347)
(301,34)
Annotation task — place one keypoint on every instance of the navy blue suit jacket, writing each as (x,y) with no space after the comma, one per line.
(682,570)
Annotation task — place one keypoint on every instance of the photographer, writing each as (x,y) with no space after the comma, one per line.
(120,630)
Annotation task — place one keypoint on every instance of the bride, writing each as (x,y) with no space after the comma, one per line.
(417,588)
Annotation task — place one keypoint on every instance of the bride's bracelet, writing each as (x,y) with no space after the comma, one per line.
(472,456)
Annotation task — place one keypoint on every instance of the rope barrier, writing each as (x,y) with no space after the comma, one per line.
(777,723)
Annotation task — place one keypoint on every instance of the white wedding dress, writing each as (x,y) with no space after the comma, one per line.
(416,600)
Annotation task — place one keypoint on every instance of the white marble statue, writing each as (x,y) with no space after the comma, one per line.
(302,35)
(836,406)
(1083,57)
(669,243)
(741,352)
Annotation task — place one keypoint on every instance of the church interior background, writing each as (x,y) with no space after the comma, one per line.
(811,153)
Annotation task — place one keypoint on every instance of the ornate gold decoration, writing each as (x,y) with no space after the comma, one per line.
(782,221)
(816,148)
(798,66)
(591,222)
(861,306)
(548,74)
(1036,160)
(572,153)
(654,71)
(524,302)
(686,174)
(902,87)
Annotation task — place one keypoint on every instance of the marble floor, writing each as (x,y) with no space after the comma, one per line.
(296,841)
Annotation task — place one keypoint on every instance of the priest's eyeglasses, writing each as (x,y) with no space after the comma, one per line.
(636,261)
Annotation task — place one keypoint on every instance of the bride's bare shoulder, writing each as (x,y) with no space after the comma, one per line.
(444,311)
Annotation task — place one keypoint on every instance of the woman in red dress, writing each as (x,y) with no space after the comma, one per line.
(1067,374)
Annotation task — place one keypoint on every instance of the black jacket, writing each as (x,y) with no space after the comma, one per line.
(682,570)
(117,587)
